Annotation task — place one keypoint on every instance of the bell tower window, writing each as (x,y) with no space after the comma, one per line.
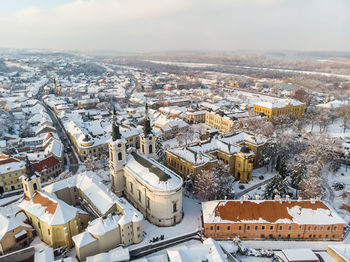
(120,156)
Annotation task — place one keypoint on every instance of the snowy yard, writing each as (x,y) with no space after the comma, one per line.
(334,130)
(256,180)
(191,222)
(7,200)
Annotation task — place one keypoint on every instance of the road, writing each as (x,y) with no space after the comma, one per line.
(74,161)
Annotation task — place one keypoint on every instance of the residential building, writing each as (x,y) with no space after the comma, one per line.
(271,219)
(55,222)
(11,169)
(280,107)
(219,121)
(240,151)
(48,168)
(194,116)
(14,234)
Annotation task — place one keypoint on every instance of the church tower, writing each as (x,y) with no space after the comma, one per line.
(30,181)
(117,159)
(147,139)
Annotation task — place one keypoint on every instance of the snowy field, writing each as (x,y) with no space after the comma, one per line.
(333,130)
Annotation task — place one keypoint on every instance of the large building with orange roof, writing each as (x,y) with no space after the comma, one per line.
(271,219)
(55,221)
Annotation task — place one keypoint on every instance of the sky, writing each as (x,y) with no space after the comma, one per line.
(176,25)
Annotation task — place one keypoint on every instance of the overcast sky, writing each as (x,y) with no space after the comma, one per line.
(166,25)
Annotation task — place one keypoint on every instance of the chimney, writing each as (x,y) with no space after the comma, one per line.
(318,198)
(241,200)
(245,197)
(277,197)
(257,197)
(225,197)
(300,198)
(288,199)
(312,200)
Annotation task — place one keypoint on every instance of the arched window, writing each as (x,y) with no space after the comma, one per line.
(150,149)
(143,148)
(35,186)
(120,156)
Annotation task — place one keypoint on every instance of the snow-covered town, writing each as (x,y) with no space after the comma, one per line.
(112,150)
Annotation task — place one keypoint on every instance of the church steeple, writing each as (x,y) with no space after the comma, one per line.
(115,132)
(29,169)
(147,129)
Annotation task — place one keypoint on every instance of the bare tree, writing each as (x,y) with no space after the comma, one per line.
(344,114)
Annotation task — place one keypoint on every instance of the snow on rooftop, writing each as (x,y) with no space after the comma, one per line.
(343,250)
(114,255)
(83,239)
(152,173)
(301,254)
(260,211)
(92,188)
(48,208)
(9,223)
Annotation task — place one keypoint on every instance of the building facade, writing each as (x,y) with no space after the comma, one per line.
(11,170)
(239,151)
(271,219)
(219,121)
(55,222)
(282,107)
(151,187)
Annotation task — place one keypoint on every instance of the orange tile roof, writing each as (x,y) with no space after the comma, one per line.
(270,211)
(45,202)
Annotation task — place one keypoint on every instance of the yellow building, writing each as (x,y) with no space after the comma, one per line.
(219,121)
(195,117)
(281,107)
(239,151)
(10,171)
(55,221)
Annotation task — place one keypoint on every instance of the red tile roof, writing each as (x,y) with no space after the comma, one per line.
(46,164)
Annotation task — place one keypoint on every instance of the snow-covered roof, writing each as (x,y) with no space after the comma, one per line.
(92,188)
(48,208)
(279,104)
(152,173)
(209,251)
(270,211)
(341,250)
(114,255)
(300,254)
(10,223)
(83,239)
(10,165)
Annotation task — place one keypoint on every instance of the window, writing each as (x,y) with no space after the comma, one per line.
(248,227)
(263,227)
(148,203)
(174,207)
(328,228)
(315,228)
(35,186)
(48,231)
(271,227)
(321,228)
(217,227)
(131,187)
(211,228)
(290,228)
(326,236)
(280,227)
(139,193)
(120,156)
(150,149)
(256,227)
(138,228)
(228,228)
(240,228)
(335,228)
(309,228)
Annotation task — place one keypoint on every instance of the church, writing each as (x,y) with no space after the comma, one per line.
(152,188)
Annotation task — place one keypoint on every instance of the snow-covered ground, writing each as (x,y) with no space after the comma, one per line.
(191,222)
(7,200)
(334,130)
(267,174)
